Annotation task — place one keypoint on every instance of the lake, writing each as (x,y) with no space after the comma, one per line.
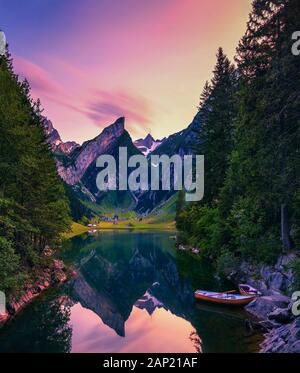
(134,292)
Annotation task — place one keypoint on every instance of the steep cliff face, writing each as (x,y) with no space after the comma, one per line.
(86,154)
(77,164)
(54,140)
(52,134)
(67,147)
(183,142)
(114,199)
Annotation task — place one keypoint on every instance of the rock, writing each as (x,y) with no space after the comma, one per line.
(148,144)
(43,280)
(260,285)
(274,309)
(289,275)
(285,338)
(89,151)
(267,325)
(281,315)
(58,264)
(59,276)
(263,306)
(278,347)
(261,326)
(297,334)
(284,261)
(276,281)
(295,348)
(297,322)
(265,273)
(283,332)
(40,288)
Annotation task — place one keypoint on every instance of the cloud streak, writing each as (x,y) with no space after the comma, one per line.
(100,106)
(90,60)
(104,106)
(39,79)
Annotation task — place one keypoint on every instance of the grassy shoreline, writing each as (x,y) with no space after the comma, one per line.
(78,229)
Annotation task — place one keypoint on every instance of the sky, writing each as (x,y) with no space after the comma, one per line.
(92,61)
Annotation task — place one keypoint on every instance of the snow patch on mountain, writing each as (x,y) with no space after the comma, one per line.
(148,144)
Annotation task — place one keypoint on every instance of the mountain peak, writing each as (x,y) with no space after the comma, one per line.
(147,145)
(149,137)
(120,122)
(117,128)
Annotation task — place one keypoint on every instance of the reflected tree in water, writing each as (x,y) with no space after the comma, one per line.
(44,327)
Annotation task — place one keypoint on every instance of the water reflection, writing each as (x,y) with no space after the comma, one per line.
(43,327)
(143,333)
(133,293)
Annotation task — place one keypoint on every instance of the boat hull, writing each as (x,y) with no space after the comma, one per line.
(222,298)
(245,293)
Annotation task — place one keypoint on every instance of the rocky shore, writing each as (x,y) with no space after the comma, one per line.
(273,310)
(53,275)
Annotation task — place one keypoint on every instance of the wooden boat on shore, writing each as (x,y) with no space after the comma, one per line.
(224,298)
(248,290)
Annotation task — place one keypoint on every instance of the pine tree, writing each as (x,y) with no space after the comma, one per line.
(204,98)
(33,208)
(217,104)
(264,171)
(255,194)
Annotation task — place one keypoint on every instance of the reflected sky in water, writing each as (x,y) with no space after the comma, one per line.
(162,331)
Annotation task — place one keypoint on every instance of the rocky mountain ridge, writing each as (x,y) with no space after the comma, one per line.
(148,144)
(54,139)
(89,151)
(77,164)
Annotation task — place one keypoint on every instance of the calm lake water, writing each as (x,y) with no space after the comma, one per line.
(133,293)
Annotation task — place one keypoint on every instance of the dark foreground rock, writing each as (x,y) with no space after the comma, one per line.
(280,315)
(282,328)
(273,311)
(263,306)
(284,339)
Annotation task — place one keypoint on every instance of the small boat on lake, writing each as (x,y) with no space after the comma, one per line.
(224,298)
(248,290)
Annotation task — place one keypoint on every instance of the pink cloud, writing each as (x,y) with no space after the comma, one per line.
(43,86)
(39,79)
(106,105)
(102,107)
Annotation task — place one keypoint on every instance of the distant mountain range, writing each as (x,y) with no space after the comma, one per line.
(148,144)
(76,164)
(182,143)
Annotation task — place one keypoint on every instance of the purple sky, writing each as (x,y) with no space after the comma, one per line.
(91,61)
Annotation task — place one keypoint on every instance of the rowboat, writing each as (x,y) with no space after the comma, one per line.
(248,290)
(224,298)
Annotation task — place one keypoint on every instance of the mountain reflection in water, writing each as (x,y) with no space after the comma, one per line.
(133,293)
